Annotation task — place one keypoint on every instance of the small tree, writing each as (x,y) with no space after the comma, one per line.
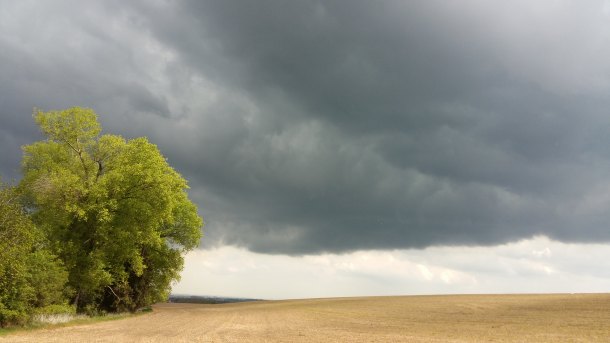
(113,209)
(30,276)
(16,238)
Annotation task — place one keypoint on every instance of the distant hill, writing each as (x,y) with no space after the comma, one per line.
(205,299)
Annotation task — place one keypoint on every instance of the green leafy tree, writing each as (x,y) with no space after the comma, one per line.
(16,238)
(113,209)
(31,277)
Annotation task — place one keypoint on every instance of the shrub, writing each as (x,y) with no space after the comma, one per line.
(30,275)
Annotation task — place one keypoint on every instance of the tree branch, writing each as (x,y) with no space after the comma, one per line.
(117,297)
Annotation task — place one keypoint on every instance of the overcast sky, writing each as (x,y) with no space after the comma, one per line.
(315,134)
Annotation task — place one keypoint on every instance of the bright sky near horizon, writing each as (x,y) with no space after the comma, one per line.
(340,148)
(536,265)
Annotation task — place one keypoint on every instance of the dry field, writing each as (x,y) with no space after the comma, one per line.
(461,318)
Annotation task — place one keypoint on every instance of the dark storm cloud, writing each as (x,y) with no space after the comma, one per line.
(330,125)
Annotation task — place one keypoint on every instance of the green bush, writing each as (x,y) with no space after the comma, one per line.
(30,276)
(16,240)
(12,317)
(47,277)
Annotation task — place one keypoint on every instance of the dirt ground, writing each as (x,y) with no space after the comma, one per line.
(461,318)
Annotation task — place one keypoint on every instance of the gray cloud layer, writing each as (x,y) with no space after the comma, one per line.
(331,125)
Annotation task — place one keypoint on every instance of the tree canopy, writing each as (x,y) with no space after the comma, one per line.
(113,211)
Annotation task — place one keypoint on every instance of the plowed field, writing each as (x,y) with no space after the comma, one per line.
(461,318)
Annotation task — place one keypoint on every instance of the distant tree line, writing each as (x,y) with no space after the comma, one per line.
(202,299)
(98,223)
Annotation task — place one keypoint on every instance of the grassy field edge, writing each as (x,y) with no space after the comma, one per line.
(75,321)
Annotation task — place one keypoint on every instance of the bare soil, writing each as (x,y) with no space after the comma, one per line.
(453,318)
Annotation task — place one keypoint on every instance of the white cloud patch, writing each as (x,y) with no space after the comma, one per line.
(536,265)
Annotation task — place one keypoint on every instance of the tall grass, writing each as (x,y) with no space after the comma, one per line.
(56,318)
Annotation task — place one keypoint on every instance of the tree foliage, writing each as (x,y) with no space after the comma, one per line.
(30,275)
(113,210)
